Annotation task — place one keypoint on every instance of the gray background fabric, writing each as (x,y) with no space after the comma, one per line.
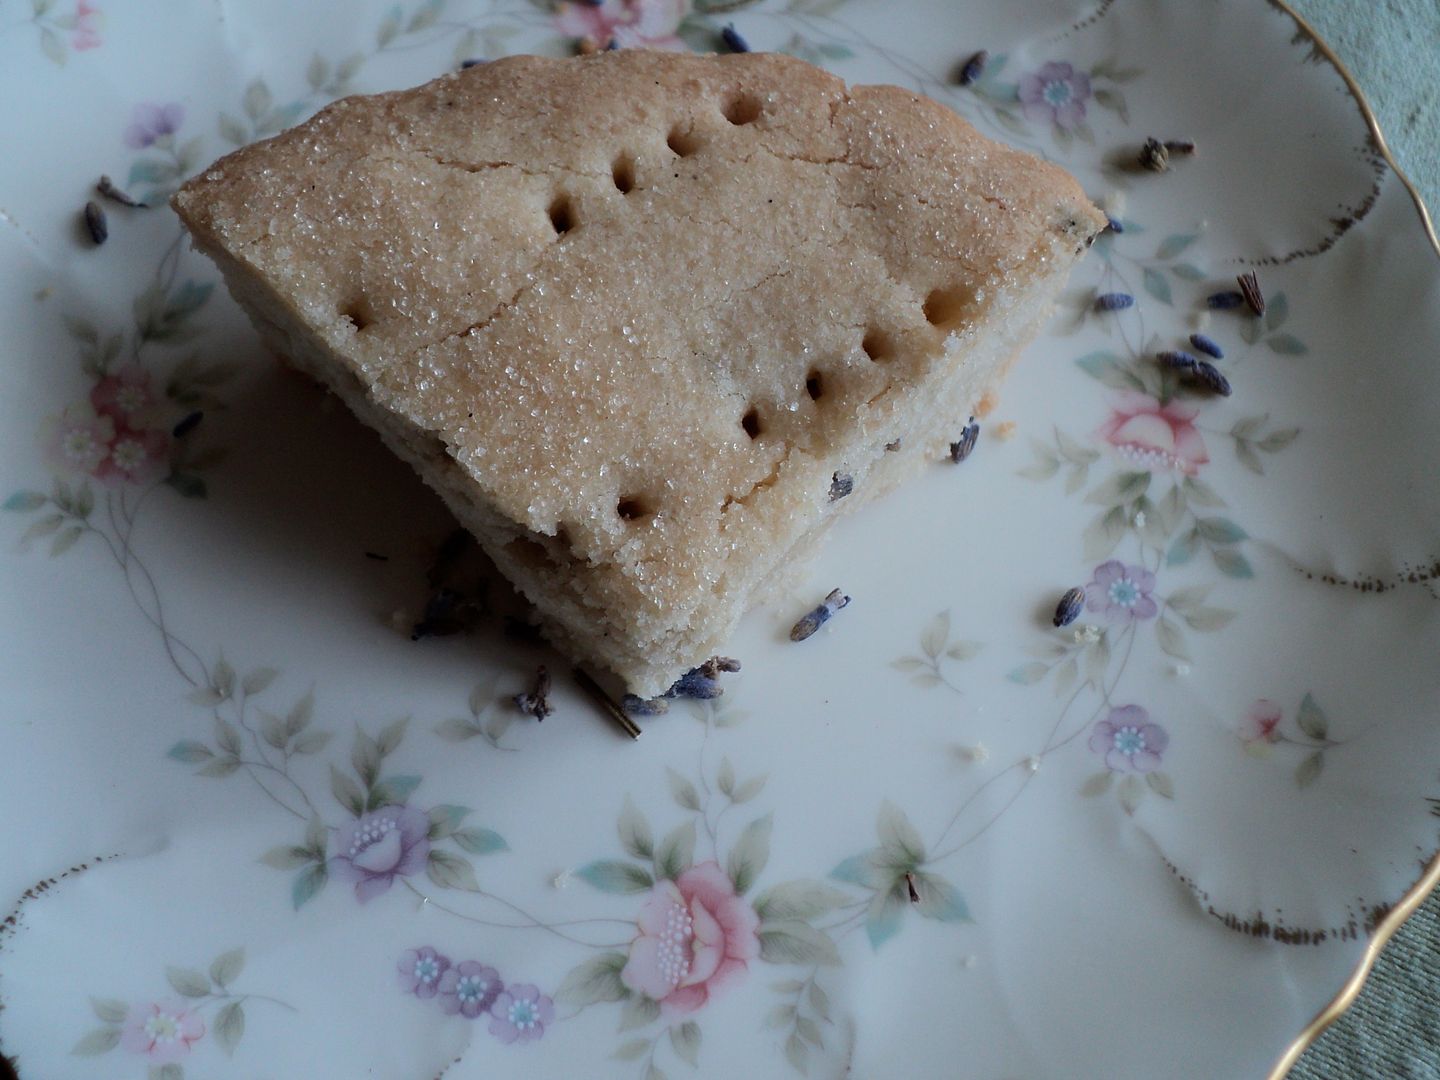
(1392,47)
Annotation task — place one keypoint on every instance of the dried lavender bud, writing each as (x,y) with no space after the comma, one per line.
(716,664)
(537,702)
(972,69)
(959,451)
(841,484)
(1207,346)
(638,706)
(813,620)
(1177,360)
(1114,301)
(107,187)
(1250,290)
(474,61)
(1224,301)
(910,887)
(95,223)
(446,613)
(733,41)
(187,425)
(1183,147)
(892,447)
(1209,376)
(695,684)
(1069,607)
(1154,156)
(1114,224)
(613,44)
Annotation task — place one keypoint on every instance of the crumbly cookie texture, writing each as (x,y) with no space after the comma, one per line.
(638,316)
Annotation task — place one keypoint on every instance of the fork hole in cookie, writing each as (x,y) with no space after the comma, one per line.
(683,142)
(751,422)
(562,215)
(877,345)
(742,109)
(946,307)
(358,313)
(623,173)
(814,385)
(634,508)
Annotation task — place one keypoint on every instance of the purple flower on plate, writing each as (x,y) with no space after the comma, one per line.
(380,846)
(1122,593)
(520,1014)
(1128,741)
(1057,92)
(469,988)
(150,122)
(420,971)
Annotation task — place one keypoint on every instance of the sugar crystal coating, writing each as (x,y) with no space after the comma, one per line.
(633,314)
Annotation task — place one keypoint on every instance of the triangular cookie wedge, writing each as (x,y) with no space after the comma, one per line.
(648,322)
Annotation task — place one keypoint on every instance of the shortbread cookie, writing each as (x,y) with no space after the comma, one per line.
(647,322)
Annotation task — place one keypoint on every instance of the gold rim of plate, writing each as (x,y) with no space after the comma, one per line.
(1421,890)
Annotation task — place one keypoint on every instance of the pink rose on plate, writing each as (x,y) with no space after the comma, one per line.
(162,1032)
(122,394)
(77,442)
(630,24)
(380,846)
(696,936)
(85,27)
(1261,722)
(1159,438)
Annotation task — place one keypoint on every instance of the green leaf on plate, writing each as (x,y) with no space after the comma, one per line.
(25,501)
(1308,771)
(480,841)
(451,871)
(1157,285)
(97,1042)
(1231,563)
(1312,719)
(1286,345)
(803,900)
(226,967)
(307,883)
(685,1041)
(1174,244)
(190,752)
(790,941)
(595,980)
(683,791)
(110,1010)
(287,857)
(188,982)
(1098,784)
(635,835)
(611,875)
(749,854)
(676,852)
(1131,791)
(230,1026)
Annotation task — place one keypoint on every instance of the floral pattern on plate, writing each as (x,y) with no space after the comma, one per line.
(767,875)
